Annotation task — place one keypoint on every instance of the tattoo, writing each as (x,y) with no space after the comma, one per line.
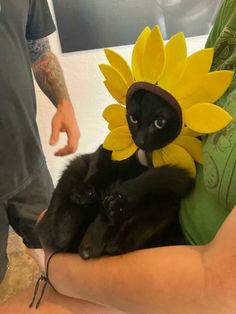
(38,47)
(49,76)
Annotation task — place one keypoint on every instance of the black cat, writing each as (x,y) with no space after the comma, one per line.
(105,207)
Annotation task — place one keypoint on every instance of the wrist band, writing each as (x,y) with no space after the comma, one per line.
(43,277)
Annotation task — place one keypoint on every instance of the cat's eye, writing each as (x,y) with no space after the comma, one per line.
(160,123)
(133,120)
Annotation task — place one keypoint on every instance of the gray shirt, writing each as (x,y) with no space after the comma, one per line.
(21,154)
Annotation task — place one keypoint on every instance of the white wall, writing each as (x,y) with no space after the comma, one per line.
(88,95)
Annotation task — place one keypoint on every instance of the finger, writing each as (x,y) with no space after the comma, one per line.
(67,150)
(55,134)
(72,144)
(72,138)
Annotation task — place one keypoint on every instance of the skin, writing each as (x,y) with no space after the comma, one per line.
(180,279)
(52,303)
(49,76)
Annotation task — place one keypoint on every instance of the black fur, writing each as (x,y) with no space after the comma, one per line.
(105,207)
(151,110)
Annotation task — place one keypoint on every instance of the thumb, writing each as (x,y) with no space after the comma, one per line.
(54,134)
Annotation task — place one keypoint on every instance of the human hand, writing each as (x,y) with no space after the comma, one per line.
(64,121)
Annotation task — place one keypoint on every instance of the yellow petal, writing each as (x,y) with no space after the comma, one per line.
(111,126)
(213,86)
(206,118)
(114,78)
(188,132)
(154,56)
(120,65)
(197,66)
(137,54)
(176,57)
(125,153)
(192,145)
(115,93)
(174,155)
(118,139)
(115,115)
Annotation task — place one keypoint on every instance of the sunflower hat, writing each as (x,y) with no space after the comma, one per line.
(185,83)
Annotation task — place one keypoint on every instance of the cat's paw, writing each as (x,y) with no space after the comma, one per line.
(115,203)
(83,195)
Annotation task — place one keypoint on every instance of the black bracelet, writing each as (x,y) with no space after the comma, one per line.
(43,277)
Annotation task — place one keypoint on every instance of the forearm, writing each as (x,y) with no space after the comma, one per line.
(164,280)
(49,76)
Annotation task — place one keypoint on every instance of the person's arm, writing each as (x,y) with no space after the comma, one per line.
(181,279)
(164,280)
(49,76)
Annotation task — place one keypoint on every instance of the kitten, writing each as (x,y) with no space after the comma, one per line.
(105,207)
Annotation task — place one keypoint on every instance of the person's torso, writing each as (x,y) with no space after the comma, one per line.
(20,148)
(214,196)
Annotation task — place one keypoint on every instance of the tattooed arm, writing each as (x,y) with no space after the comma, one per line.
(47,71)
(49,76)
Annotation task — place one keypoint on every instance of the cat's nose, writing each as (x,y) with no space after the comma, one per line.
(140,143)
(140,140)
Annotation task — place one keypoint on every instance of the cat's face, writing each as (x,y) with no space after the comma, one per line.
(153,123)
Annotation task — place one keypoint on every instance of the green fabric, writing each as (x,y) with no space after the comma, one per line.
(214,195)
